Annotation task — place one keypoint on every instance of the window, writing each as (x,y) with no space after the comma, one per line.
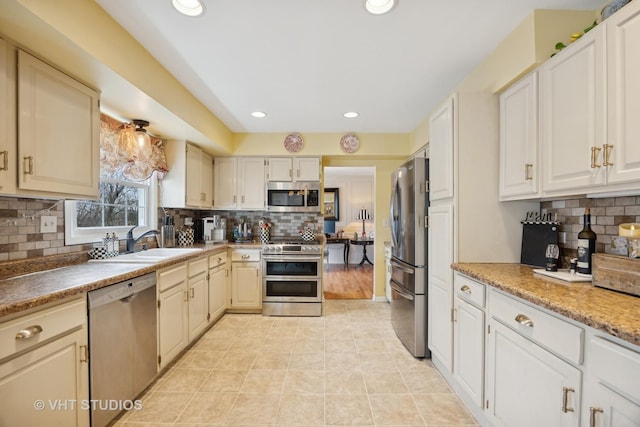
(122,205)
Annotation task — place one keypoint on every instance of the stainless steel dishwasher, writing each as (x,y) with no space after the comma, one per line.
(123,351)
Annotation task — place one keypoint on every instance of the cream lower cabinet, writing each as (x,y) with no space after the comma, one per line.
(218,283)
(44,375)
(173,313)
(440,287)
(469,335)
(198,296)
(528,382)
(246,279)
(612,392)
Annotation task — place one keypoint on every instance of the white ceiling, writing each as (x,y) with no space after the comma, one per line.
(306,62)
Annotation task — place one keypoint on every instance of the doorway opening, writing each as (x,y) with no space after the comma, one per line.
(349,206)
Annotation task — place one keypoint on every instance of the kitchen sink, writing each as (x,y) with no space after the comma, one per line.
(151,256)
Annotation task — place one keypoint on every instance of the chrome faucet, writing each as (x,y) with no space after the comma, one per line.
(131,242)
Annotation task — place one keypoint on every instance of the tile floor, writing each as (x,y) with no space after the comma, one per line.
(345,368)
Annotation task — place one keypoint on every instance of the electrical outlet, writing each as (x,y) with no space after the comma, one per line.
(48,224)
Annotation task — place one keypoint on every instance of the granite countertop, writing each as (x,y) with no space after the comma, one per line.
(27,291)
(611,312)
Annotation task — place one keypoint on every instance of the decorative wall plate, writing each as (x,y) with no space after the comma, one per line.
(293,142)
(350,143)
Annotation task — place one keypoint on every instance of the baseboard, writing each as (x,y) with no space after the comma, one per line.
(379,298)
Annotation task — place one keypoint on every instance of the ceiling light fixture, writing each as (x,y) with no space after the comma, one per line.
(142,138)
(188,7)
(259,114)
(351,114)
(378,7)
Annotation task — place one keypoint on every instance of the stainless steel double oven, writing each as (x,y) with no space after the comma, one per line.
(292,279)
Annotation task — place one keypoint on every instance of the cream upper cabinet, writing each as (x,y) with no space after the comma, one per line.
(519,165)
(225,183)
(251,183)
(441,151)
(280,169)
(58,132)
(239,183)
(622,153)
(294,168)
(572,112)
(189,182)
(7,113)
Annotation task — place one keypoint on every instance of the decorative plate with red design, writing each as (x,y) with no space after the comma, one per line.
(293,142)
(350,143)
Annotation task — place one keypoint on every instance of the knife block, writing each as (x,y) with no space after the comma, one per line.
(535,238)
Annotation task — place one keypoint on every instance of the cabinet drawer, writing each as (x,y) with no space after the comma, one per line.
(550,332)
(217,259)
(171,277)
(43,325)
(198,266)
(245,255)
(470,290)
(616,366)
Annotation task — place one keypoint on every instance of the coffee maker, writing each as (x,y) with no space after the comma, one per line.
(220,230)
(208,225)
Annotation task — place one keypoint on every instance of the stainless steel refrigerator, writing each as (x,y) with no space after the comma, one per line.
(408,220)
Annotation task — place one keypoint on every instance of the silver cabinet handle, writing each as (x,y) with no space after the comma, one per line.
(524,320)
(607,154)
(527,169)
(565,399)
(29,332)
(245,256)
(466,289)
(592,417)
(28,170)
(5,160)
(594,157)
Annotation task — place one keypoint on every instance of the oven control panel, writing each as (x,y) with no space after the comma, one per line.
(294,249)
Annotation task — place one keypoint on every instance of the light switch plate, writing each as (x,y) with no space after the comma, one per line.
(48,224)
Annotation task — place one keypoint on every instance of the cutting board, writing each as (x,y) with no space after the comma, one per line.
(535,238)
(564,275)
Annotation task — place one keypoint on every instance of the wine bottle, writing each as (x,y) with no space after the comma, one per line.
(586,245)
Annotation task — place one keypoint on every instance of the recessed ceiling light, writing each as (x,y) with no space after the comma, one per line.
(378,7)
(188,7)
(351,114)
(259,114)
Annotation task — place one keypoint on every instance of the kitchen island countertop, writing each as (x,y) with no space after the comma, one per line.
(612,312)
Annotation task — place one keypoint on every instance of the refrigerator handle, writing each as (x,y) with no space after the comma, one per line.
(398,289)
(393,213)
(402,267)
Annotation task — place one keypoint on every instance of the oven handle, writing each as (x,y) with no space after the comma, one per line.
(291,258)
(402,267)
(396,287)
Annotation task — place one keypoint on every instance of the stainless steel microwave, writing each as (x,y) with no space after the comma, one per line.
(293,197)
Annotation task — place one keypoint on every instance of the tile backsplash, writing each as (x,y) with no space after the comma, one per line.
(606,215)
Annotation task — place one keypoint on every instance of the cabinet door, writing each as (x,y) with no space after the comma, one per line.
(207,181)
(217,291)
(307,168)
(519,166)
(225,183)
(246,285)
(7,119)
(623,89)
(173,323)
(198,304)
(280,169)
(56,375)
(606,408)
(194,176)
(58,131)
(251,183)
(526,385)
(441,146)
(440,287)
(469,350)
(572,110)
